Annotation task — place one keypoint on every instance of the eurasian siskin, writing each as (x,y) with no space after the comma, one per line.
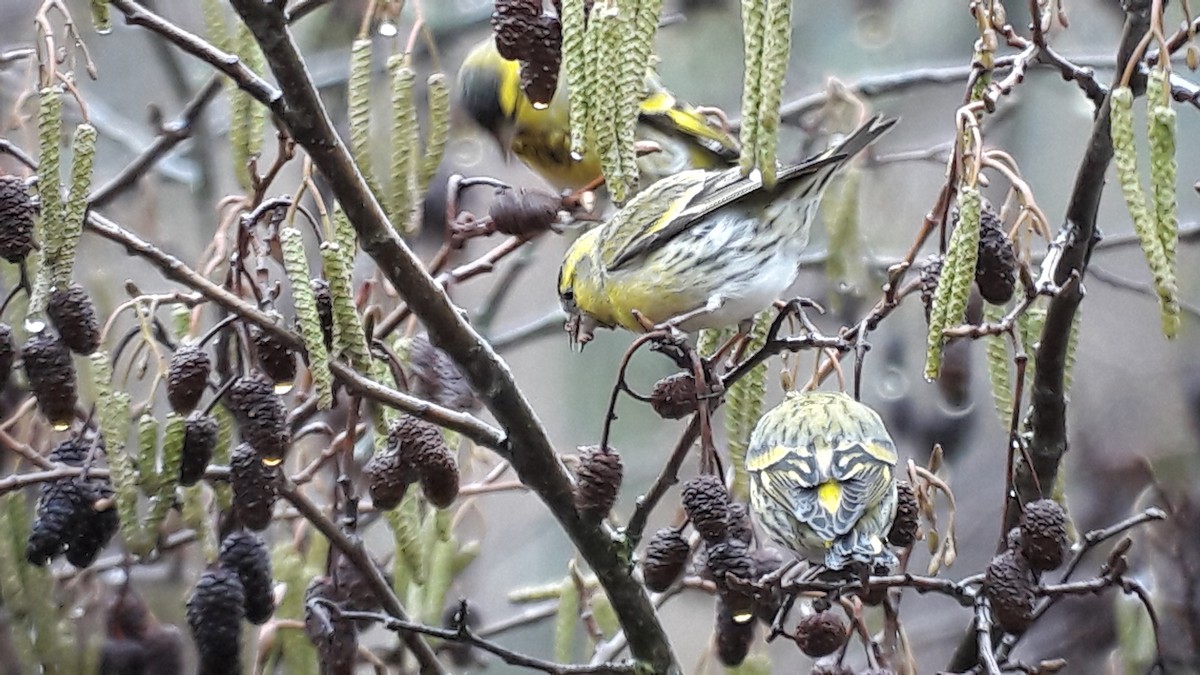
(822,479)
(489,89)
(700,249)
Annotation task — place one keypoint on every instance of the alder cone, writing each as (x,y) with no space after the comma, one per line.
(244,553)
(675,396)
(51,375)
(388,477)
(55,521)
(1009,585)
(523,212)
(324,298)
(254,490)
(598,481)
(1044,534)
(93,528)
(199,442)
(73,315)
(905,525)
(820,634)
(438,473)
(995,269)
(187,376)
(336,640)
(260,415)
(706,502)
(733,638)
(435,376)
(214,614)
(16,219)
(274,358)
(665,559)
(931,273)
(8,353)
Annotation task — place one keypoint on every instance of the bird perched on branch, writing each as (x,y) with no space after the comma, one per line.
(822,479)
(700,249)
(682,137)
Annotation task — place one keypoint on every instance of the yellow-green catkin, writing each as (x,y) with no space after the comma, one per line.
(195,516)
(34,591)
(958,273)
(777,46)
(437,129)
(441,574)
(408,564)
(640,30)
(299,655)
(758,663)
(147,454)
(225,432)
(744,406)
(1029,327)
(247,117)
(574,59)
(999,366)
(566,621)
(101,20)
(82,160)
(402,181)
(1163,172)
(295,264)
(753,38)
(49,225)
(14,519)
(605,35)
(215,27)
(349,341)
(359,103)
(710,340)
(840,207)
(112,409)
(1144,225)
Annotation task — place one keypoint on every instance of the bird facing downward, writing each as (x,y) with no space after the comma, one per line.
(700,249)
(822,479)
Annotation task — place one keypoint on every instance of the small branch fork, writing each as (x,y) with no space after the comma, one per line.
(460,632)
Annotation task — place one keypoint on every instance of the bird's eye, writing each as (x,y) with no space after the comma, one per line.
(567,297)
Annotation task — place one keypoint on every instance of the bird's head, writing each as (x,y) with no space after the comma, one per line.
(488,88)
(581,287)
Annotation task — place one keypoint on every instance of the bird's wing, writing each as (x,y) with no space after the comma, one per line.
(661,110)
(717,190)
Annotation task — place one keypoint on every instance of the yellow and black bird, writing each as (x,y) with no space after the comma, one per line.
(489,89)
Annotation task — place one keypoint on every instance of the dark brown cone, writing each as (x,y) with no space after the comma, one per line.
(435,377)
(995,269)
(1044,534)
(324,297)
(128,615)
(8,353)
(199,441)
(388,477)
(187,376)
(16,219)
(512,23)
(598,481)
(55,522)
(274,358)
(733,638)
(738,522)
(411,437)
(666,557)
(93,528)
(820,634)
(1013,540)
(906,522)
(706,502)
(261,416)
(244,553)
(214,613)
(1009,585)
(674,397)
(524,212)
(72,452)
(438,474)
(51,375)
(336,640)
(254,490)
(540,66)
(728,558)
(164,651)
(354,589)
(73,315)
(931,272)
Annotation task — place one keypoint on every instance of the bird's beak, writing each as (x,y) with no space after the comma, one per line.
(504,139)
(581,330)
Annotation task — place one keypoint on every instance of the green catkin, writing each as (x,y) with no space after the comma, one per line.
(345,236)
(13,520)
(402,190)
(745,405)
(195,516)
(35,591)
(215,28)
(437,130)
(247,117)
(405,524)
(777,45)
(113,412)
(1029,328)
(225,431)
(710,340)
(566,620)
(753,38)
(1163,172)
(605,26)
(165,480)
(147,454)
(295,264)
(958,273)
(82,160)
(181,321)
(348,338)
(999,365)
(50,225)
(1125,158)
(574,57)
(288,567)
(1069,357)
(359,102)
(639,43)
(841,224)
(441,574)
(592,72)
(101,20)
(604,613)
(755,664)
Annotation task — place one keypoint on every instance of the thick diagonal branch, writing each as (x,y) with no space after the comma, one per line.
(530,450)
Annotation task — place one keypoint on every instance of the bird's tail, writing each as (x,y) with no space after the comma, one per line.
(826,164)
